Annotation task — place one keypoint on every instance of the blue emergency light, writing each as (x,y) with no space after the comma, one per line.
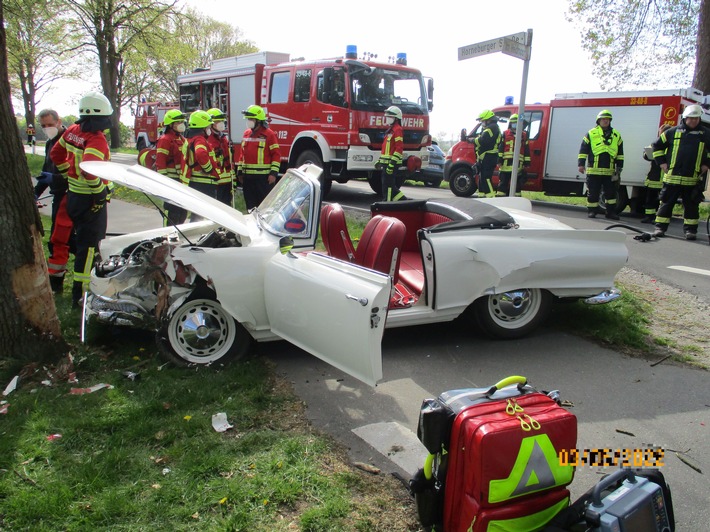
(351,51)
(401,58)
(508,100)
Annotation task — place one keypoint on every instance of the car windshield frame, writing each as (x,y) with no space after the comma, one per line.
(376,88)
(289,209)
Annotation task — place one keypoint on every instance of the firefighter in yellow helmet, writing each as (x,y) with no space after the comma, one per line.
(200,168)
(682,154)
(222,148)
(506,151)
(170,158)
(260,159)
(391,155)
(486,145)
(602,151)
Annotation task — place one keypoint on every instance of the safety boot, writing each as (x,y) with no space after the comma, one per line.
(591,213)
(611,214)
(56,282)
(690,236)
(659,233)
(648,219)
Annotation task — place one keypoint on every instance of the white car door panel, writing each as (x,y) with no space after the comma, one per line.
(330,308)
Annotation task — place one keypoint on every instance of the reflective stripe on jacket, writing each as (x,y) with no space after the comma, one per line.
(685,151)
(199,164)
(392,150)
(506,153)
(219,143)
(603,151)
(260,152)
(170,153)
(76,146)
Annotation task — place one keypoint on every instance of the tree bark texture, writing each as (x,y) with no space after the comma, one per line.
(701,79)
(29,326)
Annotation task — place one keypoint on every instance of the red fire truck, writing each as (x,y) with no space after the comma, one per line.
(148,121)
(556,129)
(328,112)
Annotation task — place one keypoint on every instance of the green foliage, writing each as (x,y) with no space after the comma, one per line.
(638,42)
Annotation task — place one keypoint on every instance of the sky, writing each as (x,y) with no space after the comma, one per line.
(429,33)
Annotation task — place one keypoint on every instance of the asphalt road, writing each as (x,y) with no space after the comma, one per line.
(620,402)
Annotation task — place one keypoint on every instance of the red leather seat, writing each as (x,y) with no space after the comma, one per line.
(334,232)
(380,246)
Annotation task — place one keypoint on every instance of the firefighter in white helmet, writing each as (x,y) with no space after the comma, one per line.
(682,154)
(391,155)
(87,194)
(602,150)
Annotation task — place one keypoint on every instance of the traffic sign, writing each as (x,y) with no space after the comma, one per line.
(513,44)
(481,48)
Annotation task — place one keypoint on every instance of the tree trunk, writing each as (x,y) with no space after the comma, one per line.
(701,79)
(29,326)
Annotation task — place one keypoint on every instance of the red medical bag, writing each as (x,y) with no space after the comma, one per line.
(496,455)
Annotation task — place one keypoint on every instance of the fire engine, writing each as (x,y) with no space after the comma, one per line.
(555,130)
(148,121)
(328,112)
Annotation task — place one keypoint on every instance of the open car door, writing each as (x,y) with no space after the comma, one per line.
(330,308)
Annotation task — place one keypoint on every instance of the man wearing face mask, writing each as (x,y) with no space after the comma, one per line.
(260,160)
(87,195)
(392,153)
(200,169)
(169,159)
(219,142)
(61,232)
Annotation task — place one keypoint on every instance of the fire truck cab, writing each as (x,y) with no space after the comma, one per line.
(555,131)
(329,112)
(148,120)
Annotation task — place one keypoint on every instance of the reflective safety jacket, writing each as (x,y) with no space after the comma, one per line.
(76,146)
(602,150)
(392,147)
(487,145)
(506,151)
(685,151)
(260,152)
(170,151)
(219,143)
(200,165)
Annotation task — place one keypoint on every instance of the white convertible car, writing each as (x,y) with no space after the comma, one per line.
(210,288)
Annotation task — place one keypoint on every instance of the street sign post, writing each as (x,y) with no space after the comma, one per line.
(515,45)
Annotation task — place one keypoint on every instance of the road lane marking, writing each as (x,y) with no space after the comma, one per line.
(689,269)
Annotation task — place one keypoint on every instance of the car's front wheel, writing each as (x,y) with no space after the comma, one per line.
(201,332)
(463,182)
(512,314)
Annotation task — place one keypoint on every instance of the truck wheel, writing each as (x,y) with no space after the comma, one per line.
(622,200)
(462,182)
(310,156)
(375,181)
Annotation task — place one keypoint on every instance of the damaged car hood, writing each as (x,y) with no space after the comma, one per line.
(152,183)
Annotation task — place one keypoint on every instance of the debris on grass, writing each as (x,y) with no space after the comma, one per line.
(11,387)
(220,423)
(92,389)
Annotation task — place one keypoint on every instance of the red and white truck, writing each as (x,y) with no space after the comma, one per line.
(148,122)
(556,129)
(328,112)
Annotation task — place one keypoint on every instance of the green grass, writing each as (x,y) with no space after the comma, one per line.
(144,456)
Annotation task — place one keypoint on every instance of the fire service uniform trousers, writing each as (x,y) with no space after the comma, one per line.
(256,187)
(90,229)
(61,243)
(690,195)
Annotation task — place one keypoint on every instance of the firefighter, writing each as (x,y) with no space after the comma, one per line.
(200,168)
(487,152)
(219,142)
(169,159)
(87,195)
(682,154)
(603,150)
(653,184)
(30,135)
(60,240)
(391,155)
(505,157)
(260,160)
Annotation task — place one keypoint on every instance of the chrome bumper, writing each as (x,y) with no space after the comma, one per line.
(607,296)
